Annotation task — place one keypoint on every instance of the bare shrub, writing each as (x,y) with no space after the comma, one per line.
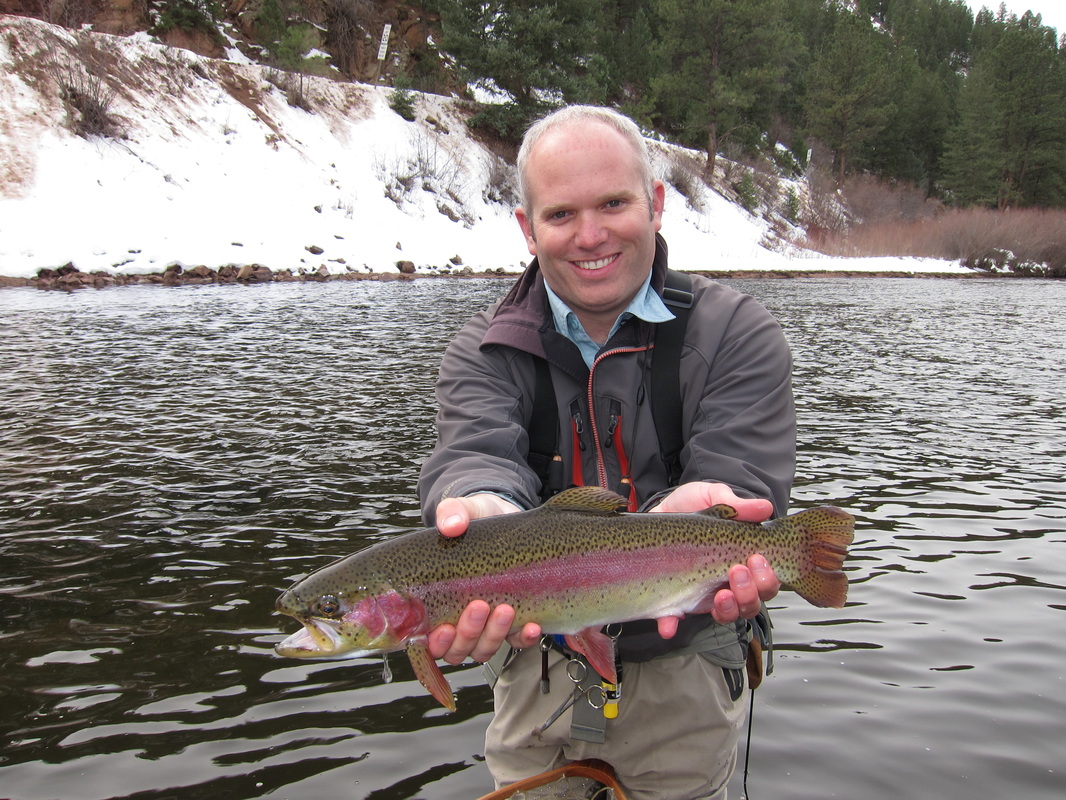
(683,170)
(67,13)
(872,200)
(347,22)
(292,85)
(825,213)
(81,72)
(434,169)
(1022,241)
(731,164)
(501,184)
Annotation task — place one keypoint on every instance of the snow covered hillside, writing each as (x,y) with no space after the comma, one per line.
(211,165)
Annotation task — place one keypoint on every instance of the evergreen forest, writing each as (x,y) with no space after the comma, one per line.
(970,109)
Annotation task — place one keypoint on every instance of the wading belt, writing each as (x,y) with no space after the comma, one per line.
(595,701)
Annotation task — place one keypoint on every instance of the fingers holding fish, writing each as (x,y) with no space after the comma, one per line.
(479,632)
(765,579)
(698,495)
(750,585)
(668,626)
(454,513)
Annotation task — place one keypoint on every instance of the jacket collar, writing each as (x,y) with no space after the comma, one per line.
(523,319)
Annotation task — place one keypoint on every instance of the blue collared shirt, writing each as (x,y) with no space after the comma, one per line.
(646,305)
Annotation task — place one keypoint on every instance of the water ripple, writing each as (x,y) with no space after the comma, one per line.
(169,459)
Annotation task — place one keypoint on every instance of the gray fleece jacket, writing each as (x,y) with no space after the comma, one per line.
(738,419)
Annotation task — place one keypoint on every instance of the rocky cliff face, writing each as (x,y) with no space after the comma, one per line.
(349,31)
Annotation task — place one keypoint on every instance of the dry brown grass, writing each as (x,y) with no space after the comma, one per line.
(890,220)
(1023,241)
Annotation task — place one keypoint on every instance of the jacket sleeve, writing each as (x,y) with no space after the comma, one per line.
(742,421)
(482,442)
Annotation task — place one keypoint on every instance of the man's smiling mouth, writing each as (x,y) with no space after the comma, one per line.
(599,263)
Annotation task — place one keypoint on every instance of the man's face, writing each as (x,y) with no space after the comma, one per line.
(591,226)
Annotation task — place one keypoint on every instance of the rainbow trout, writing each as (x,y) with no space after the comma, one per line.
(572,565)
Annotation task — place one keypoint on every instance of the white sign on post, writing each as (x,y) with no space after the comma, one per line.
(383,48)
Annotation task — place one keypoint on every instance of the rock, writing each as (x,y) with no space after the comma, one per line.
(456,259)
(73,280)
(202,274)
(406,267)
(314,250)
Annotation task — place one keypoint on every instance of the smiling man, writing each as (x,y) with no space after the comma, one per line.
(593,212)
(580,328)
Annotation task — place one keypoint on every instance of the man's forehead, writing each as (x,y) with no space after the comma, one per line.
(591,133)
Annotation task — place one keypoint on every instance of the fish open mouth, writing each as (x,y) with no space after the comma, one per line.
(317,639)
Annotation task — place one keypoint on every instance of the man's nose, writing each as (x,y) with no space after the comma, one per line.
(591,232)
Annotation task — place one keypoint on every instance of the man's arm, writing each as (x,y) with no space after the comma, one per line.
(481,435)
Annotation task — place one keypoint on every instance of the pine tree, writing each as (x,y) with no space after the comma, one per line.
(849,89)
(724,66)
(532,53)
(1009,148)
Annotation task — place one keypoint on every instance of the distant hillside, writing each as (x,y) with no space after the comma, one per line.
(122,156)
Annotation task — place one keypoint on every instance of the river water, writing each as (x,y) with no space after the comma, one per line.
(171,458)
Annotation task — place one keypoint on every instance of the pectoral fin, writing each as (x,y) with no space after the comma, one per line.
(429,674)
(598,648)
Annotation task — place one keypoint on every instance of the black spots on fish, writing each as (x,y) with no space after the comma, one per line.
(588,499)
(824,536)
(719,511)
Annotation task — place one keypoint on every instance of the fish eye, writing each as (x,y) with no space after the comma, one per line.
(328,606)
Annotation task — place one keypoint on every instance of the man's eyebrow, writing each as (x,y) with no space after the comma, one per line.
(622,194)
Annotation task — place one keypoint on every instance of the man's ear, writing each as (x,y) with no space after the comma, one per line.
(658,203)
(526,224)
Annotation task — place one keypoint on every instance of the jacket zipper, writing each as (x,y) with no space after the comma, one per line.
(597,442)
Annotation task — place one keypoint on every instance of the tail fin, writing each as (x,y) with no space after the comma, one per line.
(824,536)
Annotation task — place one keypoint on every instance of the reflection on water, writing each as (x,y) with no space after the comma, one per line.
(169,459)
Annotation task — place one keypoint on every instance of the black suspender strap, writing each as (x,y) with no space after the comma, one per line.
(544,433)
(665,378)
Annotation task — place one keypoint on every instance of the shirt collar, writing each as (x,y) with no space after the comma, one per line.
(646,305)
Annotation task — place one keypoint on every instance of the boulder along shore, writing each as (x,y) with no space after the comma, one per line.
(70,278)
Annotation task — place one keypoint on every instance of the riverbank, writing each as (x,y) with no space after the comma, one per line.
(212,166)
(69,278)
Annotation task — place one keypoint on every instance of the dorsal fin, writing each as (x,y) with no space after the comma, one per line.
(719,511)
(589,499)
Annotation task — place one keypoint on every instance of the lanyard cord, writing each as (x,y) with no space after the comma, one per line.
(747,745)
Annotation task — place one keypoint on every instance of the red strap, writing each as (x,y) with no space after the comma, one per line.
(623,464)
(592,768)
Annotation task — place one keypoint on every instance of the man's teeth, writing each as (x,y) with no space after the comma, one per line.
(598,264)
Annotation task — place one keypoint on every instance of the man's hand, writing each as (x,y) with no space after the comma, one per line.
(696,496)
(749,584)
(479,633)
(455,513)
(481,630)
